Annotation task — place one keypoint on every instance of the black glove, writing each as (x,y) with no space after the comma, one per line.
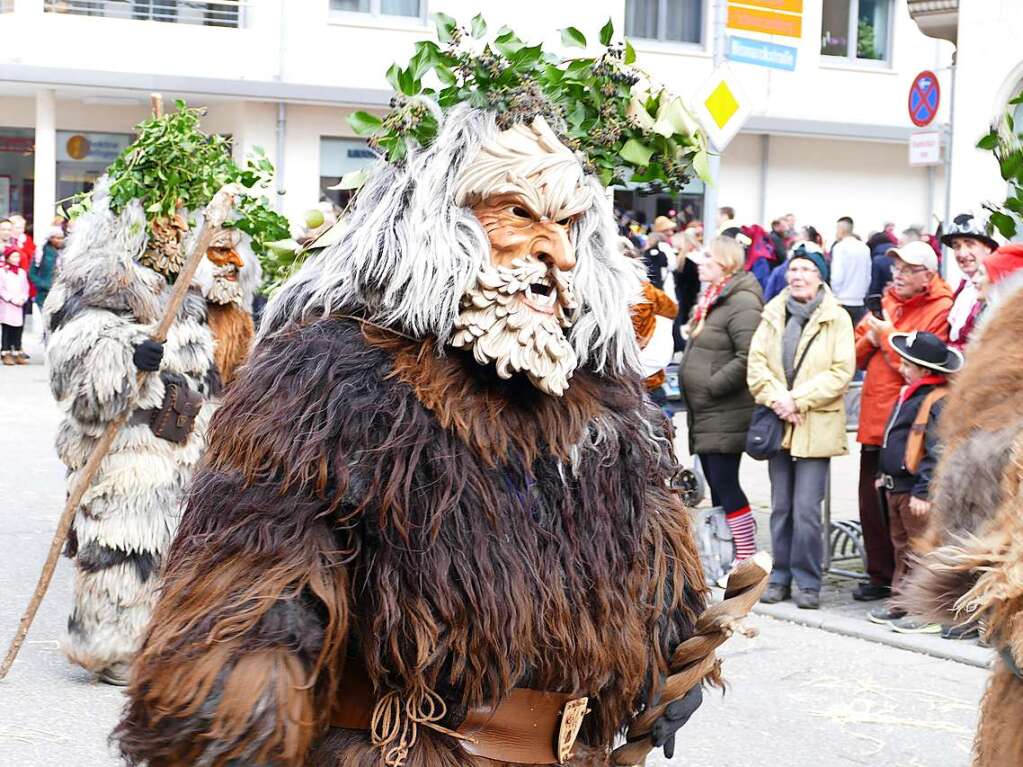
(675,715)
(148,355)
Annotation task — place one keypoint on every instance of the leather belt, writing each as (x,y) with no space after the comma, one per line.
(527,727)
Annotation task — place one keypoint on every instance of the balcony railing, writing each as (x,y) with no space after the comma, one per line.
(225,13)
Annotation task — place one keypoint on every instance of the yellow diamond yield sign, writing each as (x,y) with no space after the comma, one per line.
(721,107)
(722,104)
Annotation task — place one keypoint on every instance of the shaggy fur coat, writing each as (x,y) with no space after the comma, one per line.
(458,535)
(974,569)
(101,307)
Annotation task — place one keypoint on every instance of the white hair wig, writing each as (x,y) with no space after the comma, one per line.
(408,253)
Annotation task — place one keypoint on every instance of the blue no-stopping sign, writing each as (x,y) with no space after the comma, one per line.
(924,98)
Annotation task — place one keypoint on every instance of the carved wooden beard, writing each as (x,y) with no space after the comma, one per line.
(516,314)
(226,263)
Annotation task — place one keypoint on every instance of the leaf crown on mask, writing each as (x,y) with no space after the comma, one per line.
(622,127)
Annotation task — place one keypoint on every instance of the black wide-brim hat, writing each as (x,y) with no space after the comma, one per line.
(965,225)
(927,351)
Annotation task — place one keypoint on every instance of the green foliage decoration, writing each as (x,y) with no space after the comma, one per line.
(626,127)
(173,164)
(1005,144)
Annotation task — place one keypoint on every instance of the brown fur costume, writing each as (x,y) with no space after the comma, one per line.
(974,570)
(458,534)
(232,332)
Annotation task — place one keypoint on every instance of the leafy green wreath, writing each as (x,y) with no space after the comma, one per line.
(627,128)
(172,163)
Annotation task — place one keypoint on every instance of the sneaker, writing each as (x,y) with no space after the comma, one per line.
(808,600)
(960,632)
(776,593)
(869,592)
(885,615)
(909,625)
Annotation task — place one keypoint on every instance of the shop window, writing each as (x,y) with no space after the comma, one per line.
(857,30)
(339,156)
(407,8)
(675,21)
(17,171)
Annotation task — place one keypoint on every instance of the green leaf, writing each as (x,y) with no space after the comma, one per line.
(479,26)
(364,123)
(606,33)
(1005,224)
(701,166)
(354,179)
(989,142)
(507,43)
(636,153)
(408,83)
(445,27)
(392,75)
(525,58)
(630,53)
(572,38)
(577,114)
(445,75)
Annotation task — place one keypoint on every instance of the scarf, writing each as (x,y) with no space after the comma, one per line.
(710,294)
(931,379)
(798,314)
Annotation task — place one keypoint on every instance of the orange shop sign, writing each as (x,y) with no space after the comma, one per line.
(765,22)
(792,6)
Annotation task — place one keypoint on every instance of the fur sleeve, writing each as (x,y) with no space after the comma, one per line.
(241,659)
(91,367)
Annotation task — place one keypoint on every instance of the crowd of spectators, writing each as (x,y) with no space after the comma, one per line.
(779,318)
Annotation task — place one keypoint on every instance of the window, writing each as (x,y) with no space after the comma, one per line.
(409,8)
(225,13)
(858,30)
(677,21)
(339,156)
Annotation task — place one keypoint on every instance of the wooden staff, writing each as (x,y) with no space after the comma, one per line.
(694,658)
(216,214)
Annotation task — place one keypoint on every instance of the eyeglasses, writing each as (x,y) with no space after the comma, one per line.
(908,270)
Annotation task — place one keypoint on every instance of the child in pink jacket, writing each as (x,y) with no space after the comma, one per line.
(13,295)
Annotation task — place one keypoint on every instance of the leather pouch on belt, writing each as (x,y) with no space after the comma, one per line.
(175,418)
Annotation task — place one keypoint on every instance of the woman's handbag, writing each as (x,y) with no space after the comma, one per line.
(765,435)
(766,429)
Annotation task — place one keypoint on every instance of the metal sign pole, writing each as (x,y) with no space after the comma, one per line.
(710,189)
(947,225)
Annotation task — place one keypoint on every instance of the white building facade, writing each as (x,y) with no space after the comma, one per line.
(826,139)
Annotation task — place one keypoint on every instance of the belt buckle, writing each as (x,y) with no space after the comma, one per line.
(889,482)
(571,722)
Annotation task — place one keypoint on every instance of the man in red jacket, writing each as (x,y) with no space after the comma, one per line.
(918,299)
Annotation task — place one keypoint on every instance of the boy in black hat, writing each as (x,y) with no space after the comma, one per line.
(909,455)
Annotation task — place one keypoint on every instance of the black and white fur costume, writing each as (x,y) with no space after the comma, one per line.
(104,304)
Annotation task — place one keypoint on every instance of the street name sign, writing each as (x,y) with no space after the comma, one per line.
(925,148)
(792,6)
(760,53)
(721,107)
(924,98)
(768,22)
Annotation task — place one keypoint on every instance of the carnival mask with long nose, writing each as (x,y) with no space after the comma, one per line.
(527,189)
(223,255)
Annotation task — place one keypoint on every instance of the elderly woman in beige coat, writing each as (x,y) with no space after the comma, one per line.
(801,361)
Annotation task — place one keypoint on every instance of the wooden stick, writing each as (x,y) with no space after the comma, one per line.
(156,101)
(216,214)
(694,658)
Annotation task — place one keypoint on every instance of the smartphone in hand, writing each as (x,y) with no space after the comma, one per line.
(873,304)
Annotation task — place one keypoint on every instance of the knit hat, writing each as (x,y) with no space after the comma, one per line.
(927,351)
(811,252)
(966,225)
(1003,262)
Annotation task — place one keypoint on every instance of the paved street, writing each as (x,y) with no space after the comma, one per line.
(798,696)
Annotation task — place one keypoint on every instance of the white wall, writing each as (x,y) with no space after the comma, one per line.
(820,180)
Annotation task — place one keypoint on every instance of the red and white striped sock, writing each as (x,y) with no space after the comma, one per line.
(744,532)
